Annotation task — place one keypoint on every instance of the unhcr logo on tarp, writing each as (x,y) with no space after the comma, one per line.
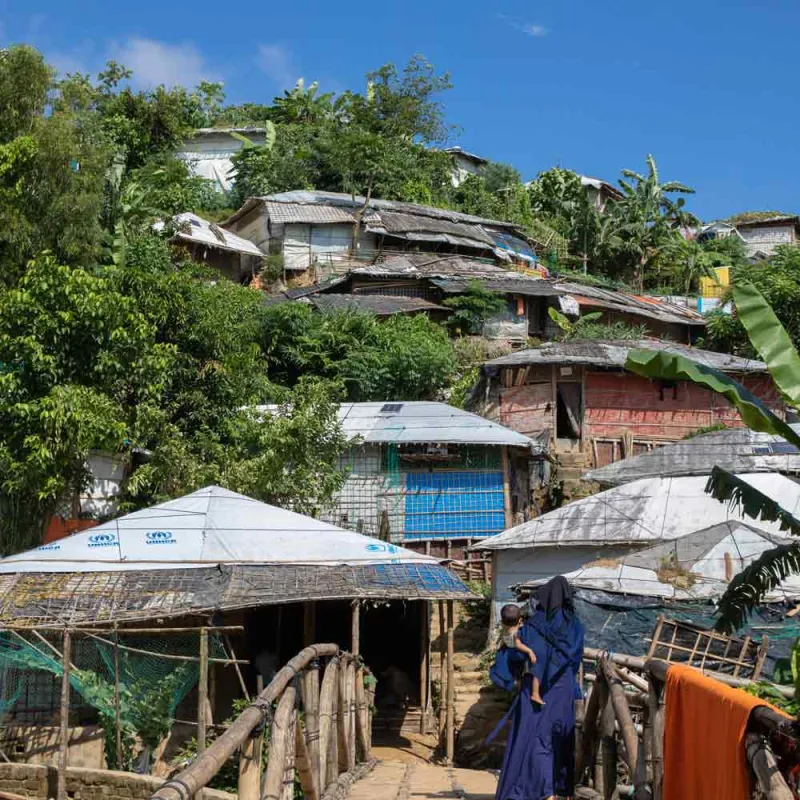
(160,537)
(49,547)
(103,540)
(382,548)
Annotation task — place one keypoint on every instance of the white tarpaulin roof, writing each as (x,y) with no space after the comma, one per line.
(206,528)
(701,558)
(643,512)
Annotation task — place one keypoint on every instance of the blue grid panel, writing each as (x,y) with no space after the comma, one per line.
(427,577)
(453,505)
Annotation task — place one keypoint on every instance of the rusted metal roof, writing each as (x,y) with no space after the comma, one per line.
(596,353)
(378,304)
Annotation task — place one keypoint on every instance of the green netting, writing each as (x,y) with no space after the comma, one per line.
(155,674)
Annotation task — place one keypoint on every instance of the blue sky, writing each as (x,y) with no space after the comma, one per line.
(708,87)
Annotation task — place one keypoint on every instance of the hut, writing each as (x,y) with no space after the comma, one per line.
(433,477)
(618,522)
(621,600)
(215,582)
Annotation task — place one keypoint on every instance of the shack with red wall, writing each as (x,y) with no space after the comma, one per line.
(578,397)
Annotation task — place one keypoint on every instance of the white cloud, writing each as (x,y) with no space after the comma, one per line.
(534,30)
(154,62)
(276,63)
(528,28)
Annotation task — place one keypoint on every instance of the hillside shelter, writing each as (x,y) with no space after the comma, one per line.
(619,522)
(262,582)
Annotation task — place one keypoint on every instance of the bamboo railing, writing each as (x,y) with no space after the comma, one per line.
(320,730)
(627,703)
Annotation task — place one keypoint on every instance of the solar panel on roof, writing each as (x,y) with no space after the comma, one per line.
(391,408)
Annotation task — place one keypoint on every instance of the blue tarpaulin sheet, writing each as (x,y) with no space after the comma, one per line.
(453,504)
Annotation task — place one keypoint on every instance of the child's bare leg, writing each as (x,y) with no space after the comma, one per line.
(536,696)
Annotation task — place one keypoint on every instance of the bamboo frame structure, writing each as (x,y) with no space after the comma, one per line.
(609,717)
(327,746)
(63,755)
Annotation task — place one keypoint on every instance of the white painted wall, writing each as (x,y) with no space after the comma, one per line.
(526,564)
(767,239)
(325,244)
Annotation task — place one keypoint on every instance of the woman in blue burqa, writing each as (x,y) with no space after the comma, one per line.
(539,761)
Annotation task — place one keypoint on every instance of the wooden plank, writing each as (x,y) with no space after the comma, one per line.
(442,668)
(343,719)
(424,672)
(355,628)
(656,725)
(249,784)
(328,756)
(305,770)
(289,758)
(310,691)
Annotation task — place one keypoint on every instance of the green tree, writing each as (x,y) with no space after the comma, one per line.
(472,308)
(648,218)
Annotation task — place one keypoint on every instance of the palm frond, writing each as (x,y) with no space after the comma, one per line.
(772,567)
(675,186)
(651,166)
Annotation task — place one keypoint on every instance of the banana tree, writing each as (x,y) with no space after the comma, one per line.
(775,348)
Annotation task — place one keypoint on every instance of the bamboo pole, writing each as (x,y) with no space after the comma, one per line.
(765,767)
(306,771)
(450,724)
(509,521)
(309,687)
(239,675)
(591,654)
(343,718)
(606,776)
(63,755)
(278,746)
(362,717)
(249,786)
(351,719)
(655,716)
(355,629)
(117,715)
(327,725)
(207,764)
(635,758)
(423,667)
(289,758)
(590,735)
(309,623)
(442,669)
(202,691)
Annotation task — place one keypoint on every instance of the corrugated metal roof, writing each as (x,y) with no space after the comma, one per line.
(624,302)
(701,561)
(381,305)
(642,512)
(458,151)
(736,450)
(308,214)
(422,422)
(395,222)
(430,265)
(615,353)
(513,284)
(197,230)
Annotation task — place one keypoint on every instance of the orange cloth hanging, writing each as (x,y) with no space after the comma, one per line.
(704,753)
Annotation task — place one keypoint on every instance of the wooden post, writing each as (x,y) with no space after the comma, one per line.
(287,785)
(450,724)
(509,520)
(309,623)
(202,691)
(424,645)
(250,768)
(278,745)
(328,758)
(117,715)
(355,632)
(442,669)
(63,755)
(309,687)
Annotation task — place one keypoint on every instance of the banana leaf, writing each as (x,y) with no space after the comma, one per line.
(772,567)
(673,367)
(770,339)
